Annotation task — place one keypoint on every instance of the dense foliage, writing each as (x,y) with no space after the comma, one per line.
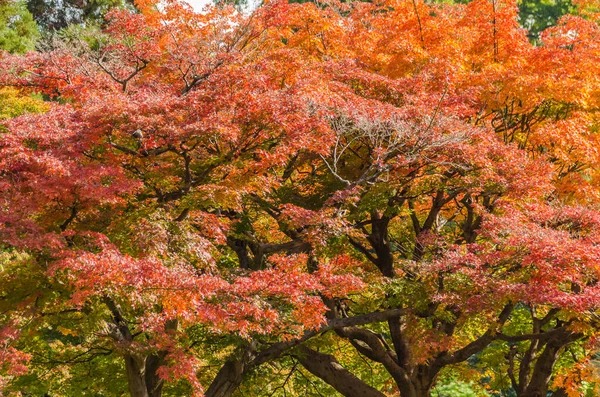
(18,30)
(363,198)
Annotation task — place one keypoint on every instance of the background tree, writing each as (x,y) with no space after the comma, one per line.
(18,30)
(537,16)
(54,15)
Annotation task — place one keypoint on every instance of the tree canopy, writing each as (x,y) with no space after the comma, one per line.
(363,198)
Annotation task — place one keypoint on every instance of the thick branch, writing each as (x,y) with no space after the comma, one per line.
(326,367)
(477,345)
(231,374)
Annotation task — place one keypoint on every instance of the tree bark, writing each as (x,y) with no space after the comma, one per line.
(542,372)
(136,377)
(231,375)
(228,379)
(142,379)
(544,366)
(154,384)
(327,368)
(379,240)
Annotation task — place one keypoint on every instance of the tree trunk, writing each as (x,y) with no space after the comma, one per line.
(423,387)
(142,378)
(154,384)
(544,366)
(227,380)
(136,376)
(542,372)
(422,382)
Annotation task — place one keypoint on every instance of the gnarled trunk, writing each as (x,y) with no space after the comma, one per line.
(135,377)
(227,380)
(142,378)
(423,381)
(154,384)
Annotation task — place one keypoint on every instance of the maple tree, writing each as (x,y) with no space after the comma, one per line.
(415,182)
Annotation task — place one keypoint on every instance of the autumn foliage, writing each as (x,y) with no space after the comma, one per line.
(199,194)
